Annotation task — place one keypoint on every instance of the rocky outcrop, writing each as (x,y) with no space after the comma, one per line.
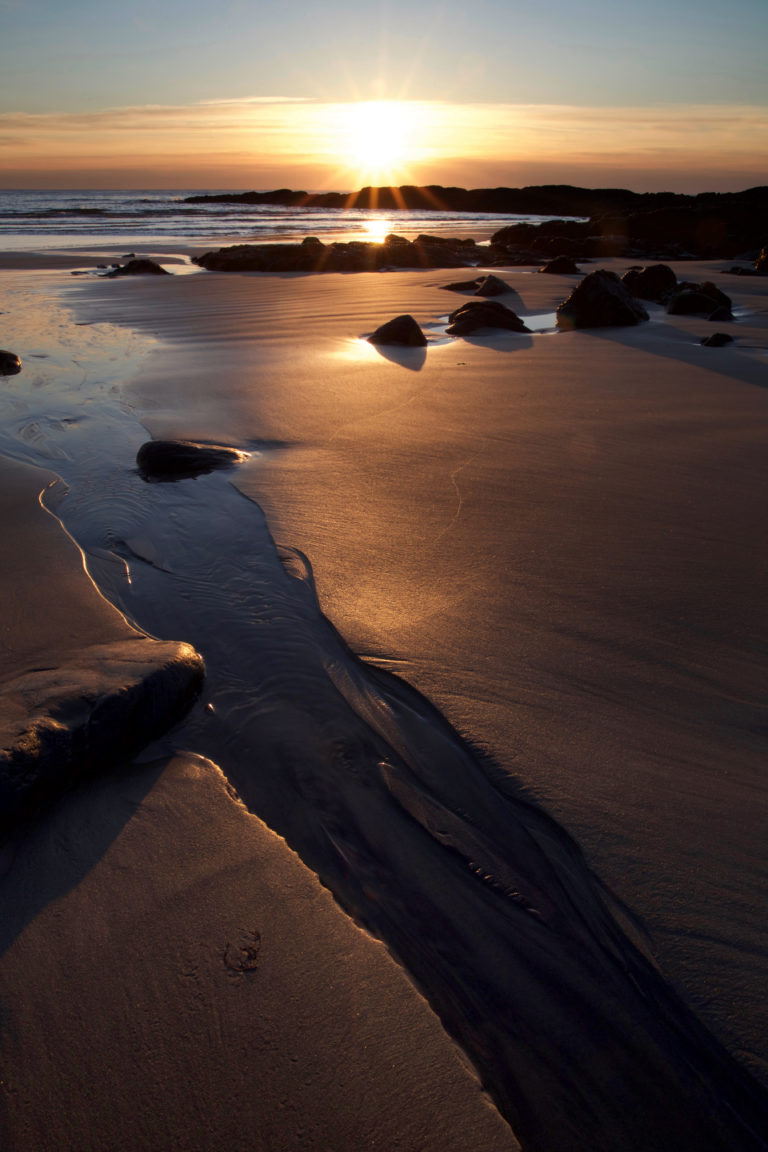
(600,300)
(352,256)
(177,459)
(700,300)
(59,724)
(139,267)
(656,282)
(483,314)
(401,330)
(10,363)
(561,266)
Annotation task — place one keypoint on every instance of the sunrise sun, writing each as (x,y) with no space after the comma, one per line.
(378,140)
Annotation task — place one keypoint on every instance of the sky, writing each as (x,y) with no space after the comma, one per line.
(653,96)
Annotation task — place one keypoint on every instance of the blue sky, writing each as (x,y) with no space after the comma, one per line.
(699,67)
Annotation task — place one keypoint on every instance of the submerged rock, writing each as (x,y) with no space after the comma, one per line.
(600,300)
(483,314)
(561,266)
(141,267)
(717,340)
(176,459)
(10,363)
(59,724)
(655,282)
(400,330)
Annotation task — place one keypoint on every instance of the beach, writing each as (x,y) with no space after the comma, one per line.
(484,632)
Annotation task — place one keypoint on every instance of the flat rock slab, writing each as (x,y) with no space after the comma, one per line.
(177,459)
(58,724)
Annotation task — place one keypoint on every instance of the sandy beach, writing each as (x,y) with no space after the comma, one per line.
(484,630)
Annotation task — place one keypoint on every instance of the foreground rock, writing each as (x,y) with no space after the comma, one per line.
(483,314)
(656,282)
(177,459)
(10,363)
(139,267)
(59,724)
(600,300)
(700,300)
(401,330)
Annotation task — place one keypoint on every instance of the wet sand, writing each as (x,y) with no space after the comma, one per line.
(557,538)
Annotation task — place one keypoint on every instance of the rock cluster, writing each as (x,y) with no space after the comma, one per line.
(705,299)
(352,256)
(600,300)
(656,282)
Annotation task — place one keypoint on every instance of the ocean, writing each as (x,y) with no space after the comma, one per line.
(33,220)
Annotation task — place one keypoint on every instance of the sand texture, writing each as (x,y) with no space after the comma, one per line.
(555,537)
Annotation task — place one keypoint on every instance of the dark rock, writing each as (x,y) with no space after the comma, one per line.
(717,340)
(561,266)
(721,315)
(10,364)
(177,459)
(492,286)
(352,256)
(761,264)
(655,282)
(469,287)
(483,314)
(400,330)
(600,300)
(480,286)
(313,242)
(57,725)
(140,267)
(698,300)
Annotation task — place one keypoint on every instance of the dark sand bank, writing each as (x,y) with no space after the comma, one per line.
(519,526)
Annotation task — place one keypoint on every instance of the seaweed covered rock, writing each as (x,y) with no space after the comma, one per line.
(483,314)
(401,330)
(177,459)
(600,300)
(655,282)
(10,364)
